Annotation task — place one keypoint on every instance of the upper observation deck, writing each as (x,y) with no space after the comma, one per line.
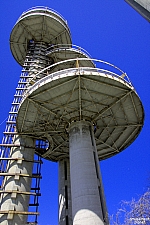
(38,24)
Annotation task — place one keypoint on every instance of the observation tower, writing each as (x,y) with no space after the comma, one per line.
(66,109)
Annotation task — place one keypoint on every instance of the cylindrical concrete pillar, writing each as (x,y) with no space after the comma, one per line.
(86,203)
(17,183)
(65,208)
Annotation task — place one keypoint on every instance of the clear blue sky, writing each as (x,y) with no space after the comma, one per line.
(111,31)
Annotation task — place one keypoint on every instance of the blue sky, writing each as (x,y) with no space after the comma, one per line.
(110,31)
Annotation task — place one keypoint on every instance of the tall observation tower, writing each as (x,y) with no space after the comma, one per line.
(65,110)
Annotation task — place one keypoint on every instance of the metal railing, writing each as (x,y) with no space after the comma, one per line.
(73,47)
(45,9)
(120,73)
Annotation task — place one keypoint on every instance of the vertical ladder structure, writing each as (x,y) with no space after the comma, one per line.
(35,31)
(7,144)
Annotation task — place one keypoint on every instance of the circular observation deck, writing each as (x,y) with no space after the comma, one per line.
(104,98)
(61,52)
(64,57)
(39,24)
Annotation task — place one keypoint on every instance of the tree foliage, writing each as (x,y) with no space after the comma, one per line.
(133,212)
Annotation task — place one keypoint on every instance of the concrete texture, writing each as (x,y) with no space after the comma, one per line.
(16,182)
(86,203)
(65,208)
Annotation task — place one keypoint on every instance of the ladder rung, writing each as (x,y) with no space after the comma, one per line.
(32,223)
(18,212)
(34,161)
(12,132)
(36,175)
(35,189)
(11,122)
(38,161)
(20,192)
(15,103)
(21,174)
(25,76)
(13,112)
(21,88)
(10,145)
(22,82)
(34,204)
(15,159)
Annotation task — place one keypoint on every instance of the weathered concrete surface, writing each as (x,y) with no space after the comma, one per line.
(86,203)
(16,201)
(65,204)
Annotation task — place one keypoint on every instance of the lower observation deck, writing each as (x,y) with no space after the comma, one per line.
(106,99)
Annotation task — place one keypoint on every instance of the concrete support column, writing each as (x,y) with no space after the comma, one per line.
(65,205)
(17,182)
(85,185)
